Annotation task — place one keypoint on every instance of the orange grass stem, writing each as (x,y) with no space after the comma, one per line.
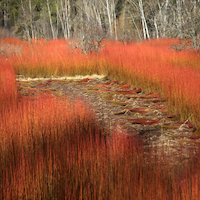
(151,65)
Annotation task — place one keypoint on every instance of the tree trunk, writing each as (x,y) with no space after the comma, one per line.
(164,19)
(114,19)
(5,17)
(156,27)
(51,23)
(109,18)
(67,15)
(179,23)
(26,27)
(97,15)
(30,8)
(144,24)
(135,25)
(62,24)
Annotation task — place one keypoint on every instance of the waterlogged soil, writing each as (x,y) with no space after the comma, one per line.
(129,109)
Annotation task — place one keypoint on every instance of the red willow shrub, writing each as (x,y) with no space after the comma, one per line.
(53,149)
(53,58)
(151,65)
(8,87)
(38,136)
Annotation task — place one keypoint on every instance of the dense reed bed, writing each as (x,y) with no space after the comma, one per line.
(41,140)
(152,65)
(53,58)
(55,149)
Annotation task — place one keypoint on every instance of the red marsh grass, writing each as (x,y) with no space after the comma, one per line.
(152,65)
(153,68)
(53,149)
(56,149)
(8,87)
(38,135)
(53,58)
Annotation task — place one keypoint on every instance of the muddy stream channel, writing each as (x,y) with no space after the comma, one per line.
(128,108)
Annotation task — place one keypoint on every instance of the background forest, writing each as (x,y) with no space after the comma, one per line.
(124,20)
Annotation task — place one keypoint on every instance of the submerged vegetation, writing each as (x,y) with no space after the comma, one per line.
(52,148)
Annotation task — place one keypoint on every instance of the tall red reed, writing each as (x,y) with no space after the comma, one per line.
(152,65)
(54,149)
(155,67)
(32,133)
(53,58)
(8,87)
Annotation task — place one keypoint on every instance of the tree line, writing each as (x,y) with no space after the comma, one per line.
(114,19)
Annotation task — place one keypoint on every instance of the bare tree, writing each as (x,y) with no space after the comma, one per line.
(133,20)
(26,26)
(110,7)
(63,13)
(109,17)
(89,39)
(144,23)
(137,6)
(5,15)
(163,9)
(140,19)
(189,25)
(50,19)
(179,17)
(31,19)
